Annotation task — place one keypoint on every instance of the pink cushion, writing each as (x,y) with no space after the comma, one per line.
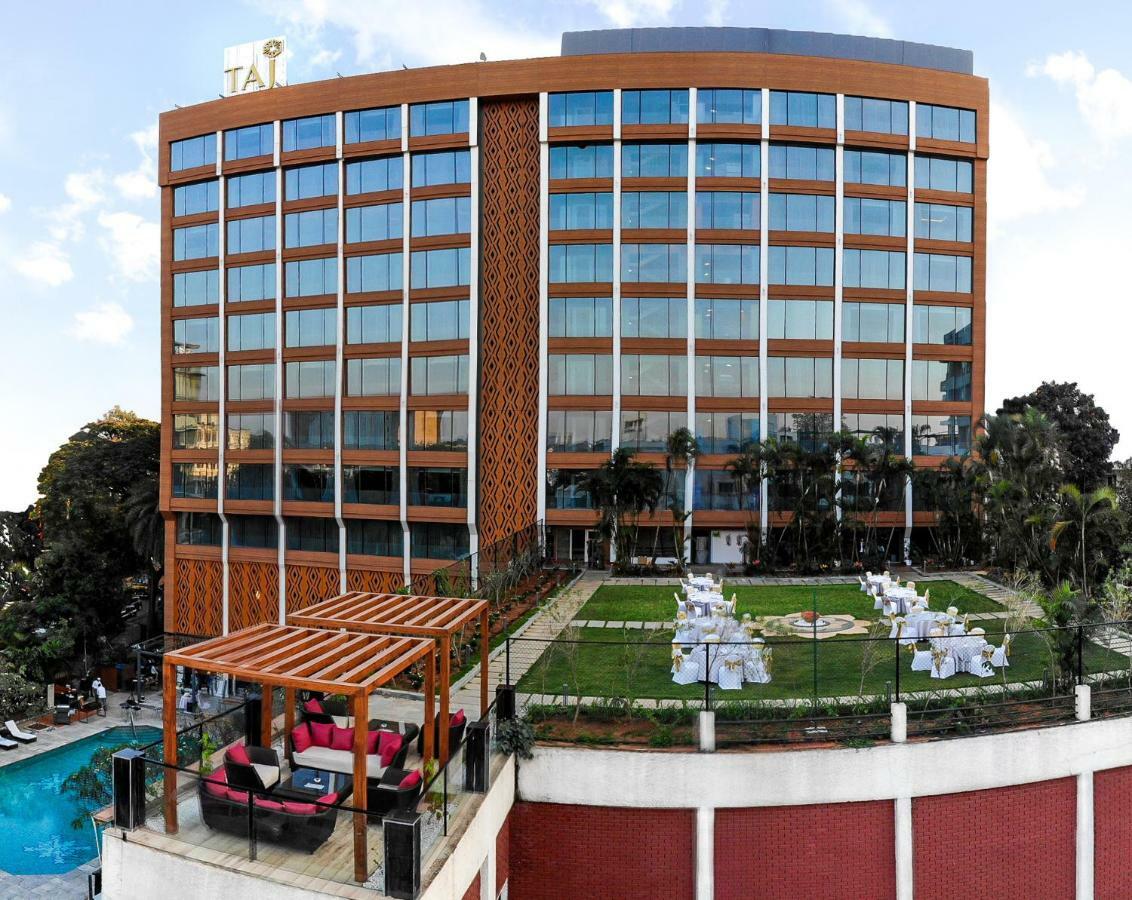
(371,742)
(301,738)
(314,706)
(239,754)
(329,799)
(238,796)
(216,784)
(269,804)
(388,745)
(410,780)
(300,809)
(342,739)
(321,732)
(457,718)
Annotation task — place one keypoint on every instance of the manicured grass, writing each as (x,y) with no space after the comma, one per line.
(638,603)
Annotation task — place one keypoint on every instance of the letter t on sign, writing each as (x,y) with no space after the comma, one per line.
(232,74)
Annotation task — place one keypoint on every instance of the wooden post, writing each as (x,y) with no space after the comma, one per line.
(445,689)
(265,715)
(288,719)
(429,706)
(361,791)
(169,738)
(485,656)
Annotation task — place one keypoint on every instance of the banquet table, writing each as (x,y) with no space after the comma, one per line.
(901,597)
(919,625)
(702,600)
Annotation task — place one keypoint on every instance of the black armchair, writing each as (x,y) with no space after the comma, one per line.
(385,794)
(257,773)
(456,725)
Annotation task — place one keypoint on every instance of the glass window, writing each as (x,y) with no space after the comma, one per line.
(730,106)
(648,430)
(440,268)
(801,109)
(945,123)
(251,282)
(727,264)
(653,375)
(199,528)
(382,222)
(579,430)
(654,209)
(311,277)
(251,332)
(370,430)
(445,167)
(865,215)
(874,427)
(197,241)
(881,323)
(251,382)
(580,374)
(254,140)
(811,431)
(200,335)
(581,211)
(941,435)
(872,379)
(940,222)
(941,325)
(801,212)
(938,174)
(198,383)
(800,320)
(436,540)
(251,431)
(443,320)
(727,376)
(382,124)
(309,133)
(727,320)
(809,266)
(378,377)
(936,272)
(799,376)
(374,175)
(438,429)
(438,487)
(880,116)
(726,432)
(251,235)
(251,190)
(720,489)
(654,317)
(371,484)
(192,152)
(581,263)
(253,531)
(442,117)
(374,538)
(373,324)
(311,181)
(430,375)
(581,161)
(191,199)
(721,160)
(580,108)
(875,167)
(305,430)
(654,262)
(654,107)
(196,288)
(874,269)
(654,160)
(311,534)
(311,327)
(311,228)
(196,431)
(250,481)
(195,480)
(801,162)
(310,378)
(727,209)
(581,316)
(374,272)
(934,379)
(445,215)
(308,482)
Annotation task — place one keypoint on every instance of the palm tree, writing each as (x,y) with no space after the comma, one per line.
(680,449)
(621,489)
(147,533)
(747,468)
(1082,510)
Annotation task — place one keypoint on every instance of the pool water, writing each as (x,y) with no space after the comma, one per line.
(35,814)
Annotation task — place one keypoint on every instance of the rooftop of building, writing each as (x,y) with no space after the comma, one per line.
(768,40)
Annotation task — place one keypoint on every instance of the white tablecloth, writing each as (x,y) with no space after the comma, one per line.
(901,597)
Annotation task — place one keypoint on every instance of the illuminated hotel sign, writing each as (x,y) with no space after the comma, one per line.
(253,67)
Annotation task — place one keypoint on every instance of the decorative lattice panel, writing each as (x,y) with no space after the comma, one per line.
(509,316)
(199,593)
(253,594)
(373,582)
(311,584)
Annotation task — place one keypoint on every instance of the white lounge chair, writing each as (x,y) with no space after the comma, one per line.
(23,737)
(6,744)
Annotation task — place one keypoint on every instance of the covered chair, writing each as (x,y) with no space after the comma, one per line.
(685,670)
(922,659)
(731,673)
(943,664)
(1001,655)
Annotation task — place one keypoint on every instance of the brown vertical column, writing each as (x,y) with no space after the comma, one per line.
(288,719)
(169,743)
(361,790)
(509,317)
(266,716)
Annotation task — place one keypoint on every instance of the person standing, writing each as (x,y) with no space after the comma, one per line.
(100,694)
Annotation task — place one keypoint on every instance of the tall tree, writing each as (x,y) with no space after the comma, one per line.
(1086,438)
(680,452)
(621,489)
(1082,514)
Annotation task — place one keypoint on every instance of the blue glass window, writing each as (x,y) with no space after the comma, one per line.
(196,288)
(800,162)
(581,210)
(581,316)
(382,222)
(376,377)
(311,228)
(654,161)
(580,108)
(653,209)
(937,272)
(310,277)
(654,262)
(654,317)
(309,133)
(945,123)
(383,124)
(581,161)
(581,263)
(873,323)
(251,190)
(373,175)
(251,332)
(727,209)
(251,235)
(445,167)
(190,199)
(375,272)
(193,152)
(440,268)
(876,167)
(801,109)
(251,282)
(940,174)
(801,212)
(880,116)
(311,181)
(800,265)
(727,320)
(196,241)
(875,269)
(654,107)
(716,160)
(730,106)
(373,324)
(444,117)
(727,264)
(864,215)
(940,222)
(245,143)
(444,215)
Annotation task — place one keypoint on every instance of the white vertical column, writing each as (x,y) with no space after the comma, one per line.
(764,274)
(339,353)
(838,275)
(905,880)
(909,298)
(222,412)
(1085,836)
(690,474)
(543,301)
(403,415)
(705,853)
(473,337)
(616,431)
(277,407)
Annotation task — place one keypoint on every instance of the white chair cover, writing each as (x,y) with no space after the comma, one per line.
(731,673)
(943,664)
(685,670)
(1001,655)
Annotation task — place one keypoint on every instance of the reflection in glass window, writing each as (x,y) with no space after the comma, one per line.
(940,222)
(192,152)
(312,535)
(251,190)
(727,209)
(311,181)
(437,540)
(948,325)
(941,435)
(195,480)
(581,263)
(654,317)
(442,117)
(723,160)
(251,332)
(191,199)
(801,109)
(310,378)
(653,375)
(726,432)
(727,264)
(730,106)
(864,215)
(727,376)
(251,235)
(251,382)
(875,167)
(581,161)
(580,108)
(880,116)
(800,320)
(371,484)
(939,174)
(199,529)
(311,228)
(648,430)
(801,162)
(579,374)
(810,431)
(253,531)
(311,277)
(247,283)
(443,320)
(196,431)
(581,211)
(874,323)
(438,429)
(373,324)
(799,376)
(581,316)
(875,427)
(445,215)
(377,377)
(382,222)
(251,431)
(654,209)
(430,375)
(250,481)
(809,266)
(872,379)
(308,482)
(801,212)
(654,262)
(720,489)
(444,167)
(375,272)
(197,242)
(308,430)
(579,430)
(368,537)
(200,335)
(440,268)
(875,269)
(727,320)
(654,107)
(309,133)
(937,272)
(438,487)
(201,383)
(654,161)
(934,379)
(374,175)
(196,288)
(254,140)
(366,430)
(945,123)
(382,124)
(311,327)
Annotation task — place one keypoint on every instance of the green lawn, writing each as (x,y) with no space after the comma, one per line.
(633,603)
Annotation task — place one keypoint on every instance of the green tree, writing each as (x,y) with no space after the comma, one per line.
(1082,513)
(147,533)
(622,489)
(747,469)
(680,453)
(879,475)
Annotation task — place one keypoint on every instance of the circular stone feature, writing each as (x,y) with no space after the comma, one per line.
(827,626)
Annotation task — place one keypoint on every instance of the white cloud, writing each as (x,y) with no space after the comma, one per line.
(860,18)
(132,242)
(107,323)
(1104,98)
(5,203)
(141,183)
(628,13)
(85,190)
(45,263)
(715,12)
(325,57)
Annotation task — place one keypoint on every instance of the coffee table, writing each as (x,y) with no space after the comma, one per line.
(310,784)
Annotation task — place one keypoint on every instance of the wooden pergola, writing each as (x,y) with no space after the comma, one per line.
(294,658)
(434,617)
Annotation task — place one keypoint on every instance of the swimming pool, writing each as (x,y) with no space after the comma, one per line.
(35,814)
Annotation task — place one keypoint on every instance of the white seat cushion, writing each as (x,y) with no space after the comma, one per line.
(341,761)
(269,775)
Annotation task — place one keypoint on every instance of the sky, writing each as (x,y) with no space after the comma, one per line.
(83,84)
